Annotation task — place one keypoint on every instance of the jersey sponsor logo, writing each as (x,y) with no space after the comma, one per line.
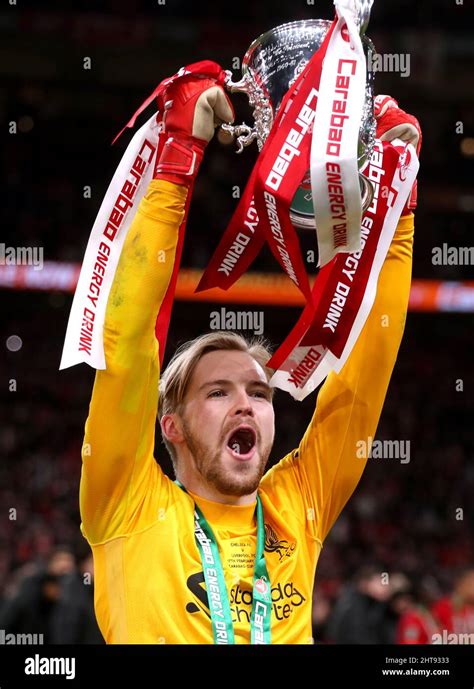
(286,598)
(196,584)
(273,544)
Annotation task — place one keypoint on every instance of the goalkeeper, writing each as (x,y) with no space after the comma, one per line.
(228,553)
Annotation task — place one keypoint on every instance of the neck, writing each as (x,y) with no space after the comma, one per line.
(203,489)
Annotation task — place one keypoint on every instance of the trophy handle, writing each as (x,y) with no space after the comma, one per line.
(364,8)
(241,86)
(263,115)
(243,133)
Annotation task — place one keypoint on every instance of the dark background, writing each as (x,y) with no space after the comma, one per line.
(402,516)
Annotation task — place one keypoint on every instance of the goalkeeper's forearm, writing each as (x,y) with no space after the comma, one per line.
(146,265)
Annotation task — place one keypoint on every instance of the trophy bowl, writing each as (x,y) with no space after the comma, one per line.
(269,67)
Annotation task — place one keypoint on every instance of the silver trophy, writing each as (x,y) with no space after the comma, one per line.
(270,66)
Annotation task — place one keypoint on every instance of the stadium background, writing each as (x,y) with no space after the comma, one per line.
(402,517)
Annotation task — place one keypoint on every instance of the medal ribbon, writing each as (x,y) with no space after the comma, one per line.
(219,606)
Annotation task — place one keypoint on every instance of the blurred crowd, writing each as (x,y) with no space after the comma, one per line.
(397,566)
(378,607)
(52,600)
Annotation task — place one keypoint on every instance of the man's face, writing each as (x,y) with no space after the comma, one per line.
(227,422)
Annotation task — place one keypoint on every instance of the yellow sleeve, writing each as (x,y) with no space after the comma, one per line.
(120,478)
(324,470)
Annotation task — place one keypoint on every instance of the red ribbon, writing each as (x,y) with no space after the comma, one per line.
(262,207)
(309,330)
(204,69)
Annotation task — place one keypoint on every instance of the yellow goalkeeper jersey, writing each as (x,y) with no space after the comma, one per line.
(149,581)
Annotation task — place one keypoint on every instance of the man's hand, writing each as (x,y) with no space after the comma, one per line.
(193,109)
(394,123)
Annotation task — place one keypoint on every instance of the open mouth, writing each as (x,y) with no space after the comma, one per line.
(242,441)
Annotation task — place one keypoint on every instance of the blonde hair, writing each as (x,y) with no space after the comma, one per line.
(177,375)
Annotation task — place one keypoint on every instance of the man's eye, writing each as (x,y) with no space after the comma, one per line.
(260,393)
(216,393)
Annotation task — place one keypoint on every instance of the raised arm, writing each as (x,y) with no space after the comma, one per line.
(349,404)
(326,467)
(117,453)
(120,480)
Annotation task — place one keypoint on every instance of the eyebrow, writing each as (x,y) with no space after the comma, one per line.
(224,381)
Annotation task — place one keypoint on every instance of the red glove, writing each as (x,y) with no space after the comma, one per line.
(194,107)
(394,123)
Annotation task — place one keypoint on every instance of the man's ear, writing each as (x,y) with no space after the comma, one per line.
(171,428)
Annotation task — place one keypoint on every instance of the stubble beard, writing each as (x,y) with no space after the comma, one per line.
(246,476)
